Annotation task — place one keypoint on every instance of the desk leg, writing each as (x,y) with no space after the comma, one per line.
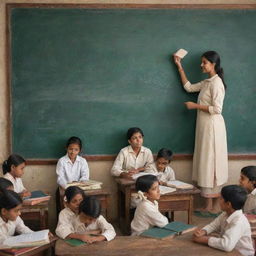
(190,210)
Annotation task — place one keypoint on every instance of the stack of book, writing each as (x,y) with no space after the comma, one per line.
(172,229)
(86,185)
(36,197)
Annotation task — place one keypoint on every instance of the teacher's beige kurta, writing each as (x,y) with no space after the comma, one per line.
(210,161)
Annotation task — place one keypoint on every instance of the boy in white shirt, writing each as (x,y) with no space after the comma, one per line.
(147,213)
(161,167)
(133,158)
(232,226)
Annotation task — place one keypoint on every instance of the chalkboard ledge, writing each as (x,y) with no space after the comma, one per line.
(112,158)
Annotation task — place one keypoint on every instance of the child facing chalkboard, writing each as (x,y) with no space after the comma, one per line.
(133,158)
(13,169)
(72,167)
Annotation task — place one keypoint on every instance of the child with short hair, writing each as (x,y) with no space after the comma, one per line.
(89,226)
(73,197)
(10,222)
(232,225)
(133,158)
(6,184)
(72,167)
(147,213)
(161,167)
(248,181)
(13,169)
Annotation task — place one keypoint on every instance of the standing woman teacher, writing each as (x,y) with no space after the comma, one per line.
(210,160)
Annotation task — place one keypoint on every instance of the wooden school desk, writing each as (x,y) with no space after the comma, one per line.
(140,246)
(36,251)
(38,212)
(180,200)
(100,194)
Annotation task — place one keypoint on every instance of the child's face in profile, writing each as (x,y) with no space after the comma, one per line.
(11,214)
(154,192)
(224,206)
(73,150)
(74,203)
(136,141)
(246,183)
(87,220)
(161,164)
(18,171)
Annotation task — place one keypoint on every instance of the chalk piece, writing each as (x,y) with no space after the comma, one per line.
(181,53)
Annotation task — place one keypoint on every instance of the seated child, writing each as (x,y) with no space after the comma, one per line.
(232,225)
(89,226)
(13,169)
(133,158)
(161,167)
(72,167)
(248,181)
(10,222)
(5,184)
(147,214)
(73,197)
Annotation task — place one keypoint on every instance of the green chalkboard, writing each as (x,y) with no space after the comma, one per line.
(94,73)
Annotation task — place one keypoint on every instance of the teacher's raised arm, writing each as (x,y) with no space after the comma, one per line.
(210,159)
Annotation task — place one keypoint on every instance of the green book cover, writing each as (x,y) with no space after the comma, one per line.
(158,232)
(74,242)
(179,226)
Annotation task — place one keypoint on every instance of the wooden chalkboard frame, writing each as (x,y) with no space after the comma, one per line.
(10,6)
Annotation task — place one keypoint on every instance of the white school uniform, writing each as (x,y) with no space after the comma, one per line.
(100,223)
(17,183)
(210,159)
(235,233)
(250,203)
(146,216)
(127,159)
(165,176)
(68,172)
(65,227)
(9,228)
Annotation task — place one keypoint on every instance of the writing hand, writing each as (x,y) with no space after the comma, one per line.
(199,232)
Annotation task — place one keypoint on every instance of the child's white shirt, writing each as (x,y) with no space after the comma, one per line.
(106,228)
(127,159)
(250,203)
(65,227)
(68,172)
(9,228)
(146,216)
(235,233)
(165,176)
(17,183)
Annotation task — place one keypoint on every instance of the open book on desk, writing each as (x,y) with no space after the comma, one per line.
(36,197)
(170,230)
(179,184)
(32,239)
(86,185)
(166,190)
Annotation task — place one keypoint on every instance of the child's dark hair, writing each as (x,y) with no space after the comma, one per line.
(12,160)
(74,140)
(214,57)
(72,191)
(234,194)
(133,130)
(9,199)
(250,173)
(90,206)
(145,182)
(164,153)
(5,184)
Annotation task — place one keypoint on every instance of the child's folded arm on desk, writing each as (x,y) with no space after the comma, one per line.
(107,229)
(21,228)
(117,166)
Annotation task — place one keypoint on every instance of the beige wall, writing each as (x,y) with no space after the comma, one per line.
(44,177)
